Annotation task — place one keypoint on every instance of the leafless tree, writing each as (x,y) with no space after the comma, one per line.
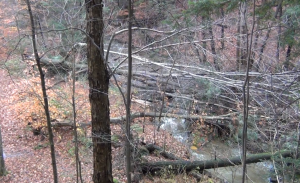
(44,90)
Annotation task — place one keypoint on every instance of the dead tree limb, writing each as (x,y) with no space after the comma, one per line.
(225,118)
(180,166)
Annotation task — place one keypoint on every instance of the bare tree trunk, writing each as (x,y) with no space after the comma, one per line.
(246,91)
(255,46)
(238,43)
(278,16)
(213,47)
(286,64)
(128,100)
(2,163)
(43,85)
(262,48)
(261,51)
(222,29)
(41,32)
(78,163)
(204,45)
(244,46)
(98,77)
(164,94)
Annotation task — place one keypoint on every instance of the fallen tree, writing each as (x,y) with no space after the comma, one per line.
(58,63)
(180,166)
(151,148)
(118,120)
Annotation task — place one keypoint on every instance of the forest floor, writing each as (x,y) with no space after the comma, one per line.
(27,156)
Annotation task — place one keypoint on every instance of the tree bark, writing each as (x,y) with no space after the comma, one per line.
(180,166)
(98,77)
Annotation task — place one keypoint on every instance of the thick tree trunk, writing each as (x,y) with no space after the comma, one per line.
(180,166)
(98,77)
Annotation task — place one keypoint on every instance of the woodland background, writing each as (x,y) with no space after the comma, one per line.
(215,64)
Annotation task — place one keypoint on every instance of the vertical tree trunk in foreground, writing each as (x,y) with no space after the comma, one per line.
(45,97)
(128,100)
(246,92)
(98,77)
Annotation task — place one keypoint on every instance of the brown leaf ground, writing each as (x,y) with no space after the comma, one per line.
(28,156)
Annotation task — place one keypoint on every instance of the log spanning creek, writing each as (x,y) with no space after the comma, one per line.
(257,172)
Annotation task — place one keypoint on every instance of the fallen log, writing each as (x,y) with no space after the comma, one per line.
(61,64)
(118,120)
(150,148)
(180,166)
(57,62)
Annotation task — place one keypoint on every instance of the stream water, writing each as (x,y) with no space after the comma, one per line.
(257,172)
